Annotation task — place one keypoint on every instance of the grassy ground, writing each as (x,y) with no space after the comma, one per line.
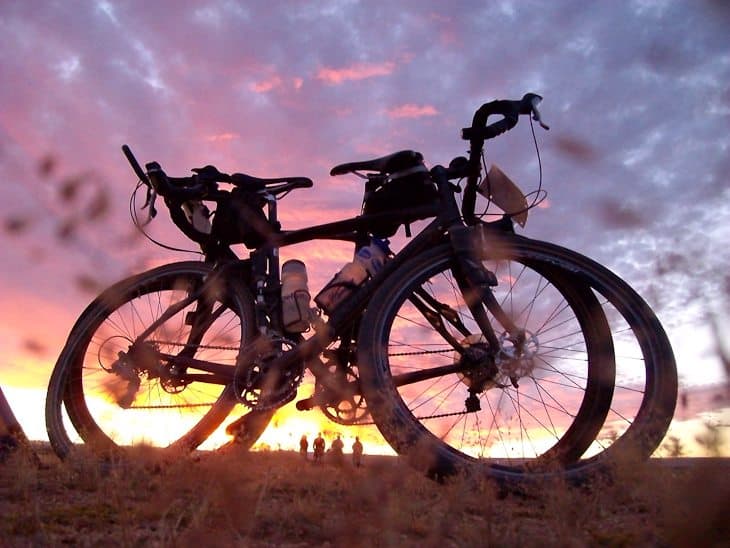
(276,498)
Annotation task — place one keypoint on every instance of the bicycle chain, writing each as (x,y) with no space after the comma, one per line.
(421,353)
(179,406)
(437,416)
(206,346)
(271,405)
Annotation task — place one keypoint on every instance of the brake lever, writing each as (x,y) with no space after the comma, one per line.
(536,113)
(150,202)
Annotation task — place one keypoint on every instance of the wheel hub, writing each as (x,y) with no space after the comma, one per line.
(482,370)
(479,371)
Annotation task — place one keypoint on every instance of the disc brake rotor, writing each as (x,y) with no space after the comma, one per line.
(516,360)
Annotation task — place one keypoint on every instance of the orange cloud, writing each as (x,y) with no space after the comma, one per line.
(359,71)
(410,110)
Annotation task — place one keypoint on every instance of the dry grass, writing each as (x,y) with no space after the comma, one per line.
(265,499)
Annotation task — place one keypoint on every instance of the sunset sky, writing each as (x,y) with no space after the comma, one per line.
(636,163)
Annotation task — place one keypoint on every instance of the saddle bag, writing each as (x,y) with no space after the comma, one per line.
(399,193)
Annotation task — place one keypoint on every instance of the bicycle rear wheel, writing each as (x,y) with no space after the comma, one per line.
(518,428)
(114,397)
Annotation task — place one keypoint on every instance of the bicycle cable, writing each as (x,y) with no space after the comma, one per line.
(140,226)
(538,195)
(538,198)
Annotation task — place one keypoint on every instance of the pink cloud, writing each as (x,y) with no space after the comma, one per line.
(266,85)
(410,110)
(359,71)
(222,137)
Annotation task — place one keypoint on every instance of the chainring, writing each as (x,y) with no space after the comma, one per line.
(260,388)
(350,409)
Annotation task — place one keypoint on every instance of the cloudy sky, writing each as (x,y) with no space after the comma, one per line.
(637,94)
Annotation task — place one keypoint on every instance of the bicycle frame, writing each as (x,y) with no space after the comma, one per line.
(263,269)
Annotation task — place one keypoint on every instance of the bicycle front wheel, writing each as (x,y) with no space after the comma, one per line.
(528,410)
(113,397)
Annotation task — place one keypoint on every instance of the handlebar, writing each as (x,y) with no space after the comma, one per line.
(178,189)
(157,180)
(510,110)
(480,131)
(135,165)
(204,184)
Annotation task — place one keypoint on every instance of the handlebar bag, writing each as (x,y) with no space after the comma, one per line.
(398,193)
(241,220)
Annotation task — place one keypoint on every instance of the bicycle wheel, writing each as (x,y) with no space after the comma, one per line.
(645,389)
(517,428)
(113,397)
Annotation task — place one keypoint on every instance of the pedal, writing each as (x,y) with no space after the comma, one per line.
(233,428)
(307,404)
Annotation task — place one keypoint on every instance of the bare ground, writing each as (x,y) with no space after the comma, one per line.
(277,499)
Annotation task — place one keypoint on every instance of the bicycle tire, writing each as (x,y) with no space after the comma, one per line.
(107,326)
(431,451)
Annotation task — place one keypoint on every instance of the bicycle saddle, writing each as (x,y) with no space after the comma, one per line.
(385,164)
(249,181)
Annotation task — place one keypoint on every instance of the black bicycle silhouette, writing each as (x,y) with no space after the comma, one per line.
(470,348)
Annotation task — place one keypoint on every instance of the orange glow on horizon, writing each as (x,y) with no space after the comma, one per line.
(289,424)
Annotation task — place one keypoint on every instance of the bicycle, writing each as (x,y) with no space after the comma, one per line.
(460,347)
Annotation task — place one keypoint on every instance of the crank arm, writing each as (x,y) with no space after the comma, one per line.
(335,387)
(346,390)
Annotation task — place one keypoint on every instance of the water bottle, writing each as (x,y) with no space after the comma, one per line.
(367,261)
(373,256)
(294,296)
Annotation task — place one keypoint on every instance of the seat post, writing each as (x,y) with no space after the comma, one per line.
(273,254)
